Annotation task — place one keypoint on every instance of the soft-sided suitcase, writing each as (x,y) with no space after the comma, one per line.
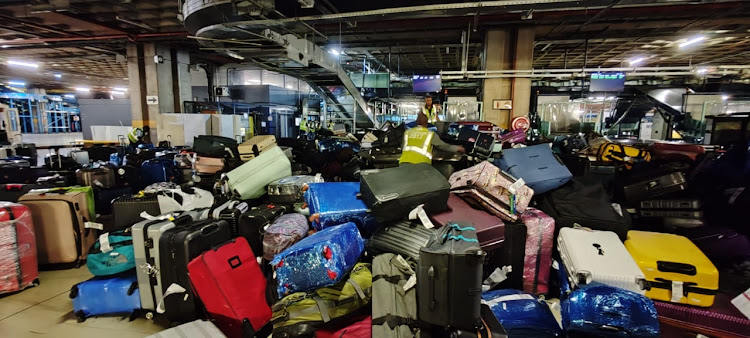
(619,153)
(18,259)
(359,329)
(208,165)
(394,192)
(679,152)
(536,165)
(27,150)
(195,329)
(127,209)
(318,260)
(491,327)
(655,187)
(178,246)
(676,270)
(449,272)
(250,180)
(255,145)
(521,314)
(215,146)
(98,177)
(394,297)
(540,231)
(500,193)
(404,238)
(230,284)
(158,170)
(722,245)
(335,203)
(106,296)
(283,233)
(598,256)
(590,311)
(722,319)
(289,189)
(252,224)
(490,229)
(60,219)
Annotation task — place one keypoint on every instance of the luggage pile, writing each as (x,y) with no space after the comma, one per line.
(296,238)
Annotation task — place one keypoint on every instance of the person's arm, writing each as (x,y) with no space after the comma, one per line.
(440,145)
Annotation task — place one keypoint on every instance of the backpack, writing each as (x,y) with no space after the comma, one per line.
(111,254)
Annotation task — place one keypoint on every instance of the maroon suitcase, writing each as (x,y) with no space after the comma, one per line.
(540,231)
(490,229)
(18,259)
(722,319)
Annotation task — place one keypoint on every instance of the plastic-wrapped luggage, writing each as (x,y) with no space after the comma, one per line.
(676,270)
(111,254)
(521,314)
(490,229)
(600,310)
(250,180)
(536,165)
(335,203)
(394,297)
(283,233)
(499,193)
(195,329)
(318,260)
(404,238)
(18,257)
(106,296)
(540,231)
(289,189)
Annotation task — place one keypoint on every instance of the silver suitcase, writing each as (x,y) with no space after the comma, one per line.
(289,189)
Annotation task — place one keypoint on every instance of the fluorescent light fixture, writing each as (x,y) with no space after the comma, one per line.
(636,61)
(82,89)
(692,41)
(725,97)
(17,83)
(23,64)
(58,76)
(235,55)
(334,51)
(702,70)
(4,46)
(69,96)
(119,89)
(289,87)
(116,92)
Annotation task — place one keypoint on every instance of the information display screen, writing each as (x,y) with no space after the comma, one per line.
(427,83)
(607,82)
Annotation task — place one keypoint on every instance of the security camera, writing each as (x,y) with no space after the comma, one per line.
(158,59)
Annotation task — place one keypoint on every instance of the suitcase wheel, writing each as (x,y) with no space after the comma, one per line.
(36,282)
(150,315)
(132,288)
(73,292)
(359,195)
(135,314)
(80,316)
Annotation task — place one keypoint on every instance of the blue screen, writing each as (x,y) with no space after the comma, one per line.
(607,82)
(427,83)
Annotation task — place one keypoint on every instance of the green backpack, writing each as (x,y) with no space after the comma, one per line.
(117,256)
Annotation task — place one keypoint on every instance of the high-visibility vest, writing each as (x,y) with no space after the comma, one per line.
(303,125)
(431,114)
(417,146)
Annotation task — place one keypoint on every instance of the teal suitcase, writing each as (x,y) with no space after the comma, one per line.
(249,181)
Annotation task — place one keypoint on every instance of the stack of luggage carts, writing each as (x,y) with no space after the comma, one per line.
(332,238)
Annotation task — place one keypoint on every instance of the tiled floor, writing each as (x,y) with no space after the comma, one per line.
(47,311)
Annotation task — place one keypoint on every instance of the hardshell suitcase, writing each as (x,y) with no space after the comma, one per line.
(230,284)
(722,319)
(394,297)
(250,180)
(98,177)
(449,272)
(540,232)
(521,314)
(511,254)
(18,258)
(127,209)
(679,152)
(106,296)
(27,150)
(318,260)
(536,165)
(490,229)
(256,145)
(394,192)
(658,186)
(283,233)
(598,256)
(80,156)
(215,146)
(404,238)
(158,170)
(672,204)
(208,165)
(253,223)
(103,198)
(335,203)
(195,329)
(491,327)
(676,270)
(289,189)
(61,218)
(230,211)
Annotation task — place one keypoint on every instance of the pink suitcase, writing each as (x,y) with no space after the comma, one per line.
(722,319)
(18,259)
(540,231)
(490,229)
(486,185)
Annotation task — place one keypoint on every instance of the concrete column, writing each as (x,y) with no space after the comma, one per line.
(136,85)
(523,60)
(184,91)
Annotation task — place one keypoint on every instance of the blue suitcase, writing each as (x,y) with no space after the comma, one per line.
(106,296)
(536,165)
(158,170)
(521,314)
(336,203)
(598,310)
(319,260)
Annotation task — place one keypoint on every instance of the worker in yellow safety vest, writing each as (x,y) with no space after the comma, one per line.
(419,141)
(430,110)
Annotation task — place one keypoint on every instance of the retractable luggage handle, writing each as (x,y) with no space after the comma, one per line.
(431,276)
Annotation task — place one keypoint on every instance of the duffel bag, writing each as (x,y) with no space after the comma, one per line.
(111,254)
(627,155)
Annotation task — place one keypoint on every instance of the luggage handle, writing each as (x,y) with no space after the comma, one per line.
(431,276)
(674,267)
(209,229)
(234,262)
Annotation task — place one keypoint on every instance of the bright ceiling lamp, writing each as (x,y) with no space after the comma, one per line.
(58,76)
(22,64)
(17,83)
(82,89)
(334,51)
(119,89)
(692,41)
(636,61)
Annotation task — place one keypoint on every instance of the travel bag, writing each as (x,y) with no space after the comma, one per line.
(394,192)
(510,256)
(61,225)
(487,186)
(449,272)
(229,282)
(300,314)
(536,165)
(676,152)
(598,310)
(215,146)
(394,297)
(111,254)
(208,165)
(359,329)
(230,211)
(598,256)
(127,209)
(622,154)
(676,270)
(158,170)
(540,231)
(490,229)
(106,296)
(283,233)
(256,145)
(722,319)
(334,203)
(289,189)
(318,260)
(18,257)
(96,177)
(196,329)
(403,238)
(253,223)
(250,180)
(653,187)
(521,314)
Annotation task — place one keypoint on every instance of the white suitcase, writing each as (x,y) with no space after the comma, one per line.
(599,256)
(250,180)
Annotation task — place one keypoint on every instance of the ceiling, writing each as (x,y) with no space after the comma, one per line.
(85,40)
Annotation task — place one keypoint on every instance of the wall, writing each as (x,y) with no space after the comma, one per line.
(103,112)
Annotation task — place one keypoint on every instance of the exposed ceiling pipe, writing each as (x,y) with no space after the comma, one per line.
(131,38)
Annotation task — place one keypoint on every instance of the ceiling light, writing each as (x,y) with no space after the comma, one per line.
(17,83)
(235,55)
(725,97)
(82,89)
(116,92)
(4,46)
(636,61)
(692,41)
(58,76)
(334,51)
(23,64)
(119,89)
(702,70)
(289,87)
(69,96)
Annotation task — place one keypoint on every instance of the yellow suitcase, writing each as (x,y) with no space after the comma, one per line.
(628,155)
(256,145)
(675,269)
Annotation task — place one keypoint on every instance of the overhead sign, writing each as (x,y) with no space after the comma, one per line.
(502,104)
(152,100)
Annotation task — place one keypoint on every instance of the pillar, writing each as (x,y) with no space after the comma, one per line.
(136,85)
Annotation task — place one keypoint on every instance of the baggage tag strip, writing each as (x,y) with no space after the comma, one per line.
(93,225)
(742,303)
(497,277)
(104,243)
(677,291)
(513,189)
(419,213)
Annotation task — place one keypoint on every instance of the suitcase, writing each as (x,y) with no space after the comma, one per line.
(318,260)
(394,192)
(492,189)
(127,209)
(672,204)
(129,176)
(230,211)
(256,145)
(11,192)
(619,153)
(60,162)
(289,189)
(283,233)
(249,181)
(655,187)
(22,175)
(208,165)
(540,232)
(449,272)
(385,157)
(335,203)
(490,229)
(103,198)
(106,296)
(98,177)
(676,270)
(722,245)
(598,256)
(215,146)
(404,238)
(179,246)
(101,153)
(27,150)
(80,156)
(195,329)
(577,165)
(394,297)
(18,258)
(230,284)
(491,327)
(690,214)
(676,152)
(252,224)
(536,165)
(720,320)
(60,225)
(359,329)
(477,143)
(158,170)
(512,254)
(521,314)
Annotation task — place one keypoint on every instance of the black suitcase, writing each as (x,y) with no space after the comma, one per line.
(12,192)
(253,222)
(129,176)
(126,210)
(60,162)
(653,187)
(673,204)
(22,175)
(689,214)
(449,272)
(491,328)
(100,153)
(394,192)
(512,253)
(403,237)
(177,247)
(28,150)
(231,212)
(104,198)
(577,165)
(384,157)
(215,146)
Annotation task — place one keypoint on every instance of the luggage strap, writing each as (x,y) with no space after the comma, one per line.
(395,321)
(323,305)
(389,279)
(687,287)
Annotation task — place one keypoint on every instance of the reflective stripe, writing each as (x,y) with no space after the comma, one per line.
(418,150)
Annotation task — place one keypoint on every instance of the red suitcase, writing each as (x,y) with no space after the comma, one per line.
(18,259)
(490,229)
(722,319)
(232,287)
(676,152)
(540,231)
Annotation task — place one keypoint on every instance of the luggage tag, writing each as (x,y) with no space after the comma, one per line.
(104,243)
(513,189)
(677,291)
(419,213)
(172,289)
(497,277)
(742,303)
(93,225)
